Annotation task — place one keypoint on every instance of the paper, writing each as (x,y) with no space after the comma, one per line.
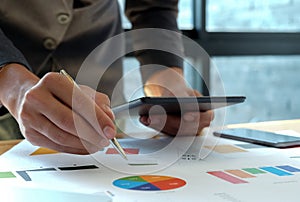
(21,194)
(220,177)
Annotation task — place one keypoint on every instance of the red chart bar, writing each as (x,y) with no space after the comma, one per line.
(126,150)
(226,177)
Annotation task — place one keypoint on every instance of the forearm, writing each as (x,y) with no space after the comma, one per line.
(10,58)
(161,47)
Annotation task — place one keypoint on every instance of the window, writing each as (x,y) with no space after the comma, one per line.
(258,41)
(270,84)
(253,16)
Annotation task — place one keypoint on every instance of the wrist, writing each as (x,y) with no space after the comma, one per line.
(2,67)
(165,82)
(15,79)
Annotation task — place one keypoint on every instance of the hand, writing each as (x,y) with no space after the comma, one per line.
(52,113)
(168,83)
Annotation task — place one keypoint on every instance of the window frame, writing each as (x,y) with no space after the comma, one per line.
(240,43)
(236,43)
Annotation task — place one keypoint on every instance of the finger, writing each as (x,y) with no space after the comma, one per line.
(145,120)
(63,117)
(100,99)
(194,92)
(38,139)
(189,123)
(201,120)
(156,122)
(64,138)
(175,125)
(80,103)
(71,122)
(171,125)
(93,94)
(191,116)
(206,118)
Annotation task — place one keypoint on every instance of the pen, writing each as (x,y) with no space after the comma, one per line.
(113,141)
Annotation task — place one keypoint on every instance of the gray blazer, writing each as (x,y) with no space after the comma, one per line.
(45,35)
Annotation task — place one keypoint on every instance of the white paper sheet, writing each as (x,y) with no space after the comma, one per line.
(200,185)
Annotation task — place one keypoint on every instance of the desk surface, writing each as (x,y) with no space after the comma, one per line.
(5,145)
(271,126)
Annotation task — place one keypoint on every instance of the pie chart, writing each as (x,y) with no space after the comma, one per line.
(149,183)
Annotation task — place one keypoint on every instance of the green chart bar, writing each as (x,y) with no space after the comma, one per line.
(253,171)
(7,175)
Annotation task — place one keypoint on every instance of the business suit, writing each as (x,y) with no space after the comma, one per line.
(45,35)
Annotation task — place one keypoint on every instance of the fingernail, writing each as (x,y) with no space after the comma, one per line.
(188,117)
(109,132)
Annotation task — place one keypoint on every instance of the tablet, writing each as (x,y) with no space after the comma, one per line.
(174,105)
(259,137)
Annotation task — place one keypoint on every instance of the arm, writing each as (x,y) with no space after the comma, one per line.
(155,14)
(47,108)
(166,78)
(9,54)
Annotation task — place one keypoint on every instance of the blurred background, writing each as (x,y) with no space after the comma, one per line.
(255,46)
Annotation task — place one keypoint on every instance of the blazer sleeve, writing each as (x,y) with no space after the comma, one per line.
(156,14)
(9,53)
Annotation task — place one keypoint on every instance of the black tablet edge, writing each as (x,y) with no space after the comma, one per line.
(203,99)
(157,100)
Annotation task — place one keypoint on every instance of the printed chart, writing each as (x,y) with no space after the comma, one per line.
(149,183)
(239,176)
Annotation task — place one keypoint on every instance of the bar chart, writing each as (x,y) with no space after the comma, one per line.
(240,176)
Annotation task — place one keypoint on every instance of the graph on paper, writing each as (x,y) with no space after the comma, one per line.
(242,176)
(149,183)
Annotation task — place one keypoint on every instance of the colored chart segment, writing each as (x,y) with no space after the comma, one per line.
(225,149)
(149,183)
(43,151)
(237,176)
(289,168)
(275,171)
(126,150)
(24,175)
(7,175)
(254,171)
(226,177)
(239,173)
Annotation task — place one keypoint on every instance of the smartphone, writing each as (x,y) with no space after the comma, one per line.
(259,137)
(175,105)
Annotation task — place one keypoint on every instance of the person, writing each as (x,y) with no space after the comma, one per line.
(39,37)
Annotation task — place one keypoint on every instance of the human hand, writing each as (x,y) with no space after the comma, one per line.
(52,113)
(170,83)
